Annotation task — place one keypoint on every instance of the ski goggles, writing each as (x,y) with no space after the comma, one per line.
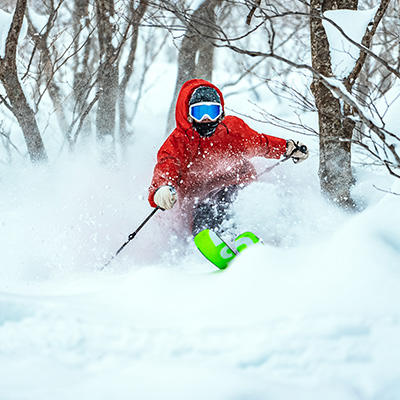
(201,111)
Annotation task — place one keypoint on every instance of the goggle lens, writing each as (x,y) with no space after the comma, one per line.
(200,111)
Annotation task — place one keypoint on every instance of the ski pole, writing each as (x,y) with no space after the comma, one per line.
(273,166)
(132,236)
(302,148)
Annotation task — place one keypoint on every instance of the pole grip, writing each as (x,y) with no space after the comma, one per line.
(303,148)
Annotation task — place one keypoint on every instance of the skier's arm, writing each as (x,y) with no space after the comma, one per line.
(253,144)
(295,150)
(171,157)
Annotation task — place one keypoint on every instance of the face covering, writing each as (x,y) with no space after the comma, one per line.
(205,129)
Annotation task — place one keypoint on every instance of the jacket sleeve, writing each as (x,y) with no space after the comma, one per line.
(254,144)
(172,157)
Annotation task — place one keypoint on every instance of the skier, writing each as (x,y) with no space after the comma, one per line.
(205,160)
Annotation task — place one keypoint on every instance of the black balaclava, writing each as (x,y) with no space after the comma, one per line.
(200,95)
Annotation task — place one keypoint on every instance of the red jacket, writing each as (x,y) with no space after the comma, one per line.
(195,165)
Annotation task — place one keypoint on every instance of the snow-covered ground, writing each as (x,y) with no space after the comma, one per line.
(312,314)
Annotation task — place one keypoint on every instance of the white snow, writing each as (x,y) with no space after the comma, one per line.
(312,314)
(38,21)
(354,23)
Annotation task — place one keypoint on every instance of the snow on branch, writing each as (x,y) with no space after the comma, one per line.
(350,39)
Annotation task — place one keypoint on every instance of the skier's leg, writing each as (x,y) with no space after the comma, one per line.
(214,210)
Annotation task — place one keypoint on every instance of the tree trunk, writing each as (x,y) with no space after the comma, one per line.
(136,17)
(335,128)
(9,78)
(24,115)
(55,93)
(107,82)
(196,54)
(82,70)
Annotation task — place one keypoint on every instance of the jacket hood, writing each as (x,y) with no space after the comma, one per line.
(182,103)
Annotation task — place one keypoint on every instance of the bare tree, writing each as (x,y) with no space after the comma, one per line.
(41,40)
(18,102)
(82,70)
(335,128)
(336,125)
(337,108)
(107,81)
(196,53)
(265,39)
(135,17)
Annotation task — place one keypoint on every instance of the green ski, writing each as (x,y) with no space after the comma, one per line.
(245,240)
(217,251)
(214,248)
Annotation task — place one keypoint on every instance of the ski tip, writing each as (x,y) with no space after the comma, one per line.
(214,248)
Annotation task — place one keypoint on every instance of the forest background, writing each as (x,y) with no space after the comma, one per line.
(84,65)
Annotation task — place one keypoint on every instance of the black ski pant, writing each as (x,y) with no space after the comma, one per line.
(211,212)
